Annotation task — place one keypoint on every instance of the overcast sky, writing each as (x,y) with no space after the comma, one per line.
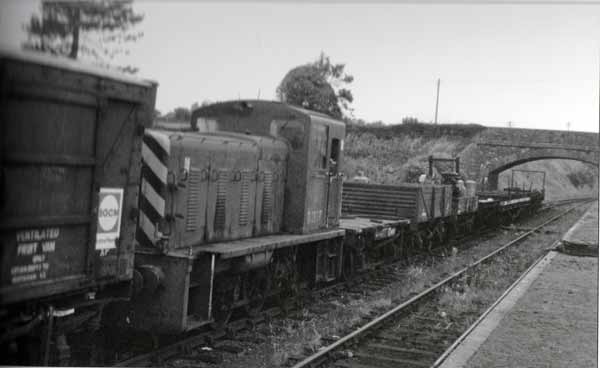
(536,65)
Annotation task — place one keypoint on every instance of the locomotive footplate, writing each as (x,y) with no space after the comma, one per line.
(242,247)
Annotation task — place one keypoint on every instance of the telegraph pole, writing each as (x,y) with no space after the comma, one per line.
(437,99)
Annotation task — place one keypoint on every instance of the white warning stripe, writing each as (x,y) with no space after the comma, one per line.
(154,198)
(161,139)
(148,227)
(154,163)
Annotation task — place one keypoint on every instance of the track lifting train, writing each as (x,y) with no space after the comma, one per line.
(181,228)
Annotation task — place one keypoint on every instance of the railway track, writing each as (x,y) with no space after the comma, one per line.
(236,331)
(411,334)
(562,202)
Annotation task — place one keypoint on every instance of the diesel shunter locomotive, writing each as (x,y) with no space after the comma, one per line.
(229,209)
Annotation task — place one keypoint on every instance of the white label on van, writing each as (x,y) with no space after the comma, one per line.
(110,208)
(186,163)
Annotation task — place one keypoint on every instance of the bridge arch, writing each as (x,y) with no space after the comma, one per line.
(494,172)
(498,149)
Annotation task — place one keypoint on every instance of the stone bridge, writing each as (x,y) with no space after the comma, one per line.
(498,149)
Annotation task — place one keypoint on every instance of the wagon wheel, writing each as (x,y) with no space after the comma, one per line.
(256,289)
(429,238)
(416,242)
(389,251)
(226,293)
(451,228)
(441,233)
(399,245)
(515,215)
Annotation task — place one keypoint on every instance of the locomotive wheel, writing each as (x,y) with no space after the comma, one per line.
(348,265)
(469,224)
(256,288)
(227,292)
(285,281)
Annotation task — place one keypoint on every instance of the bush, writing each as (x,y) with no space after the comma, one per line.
(581,178)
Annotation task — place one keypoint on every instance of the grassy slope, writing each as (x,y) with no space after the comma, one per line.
(386,154)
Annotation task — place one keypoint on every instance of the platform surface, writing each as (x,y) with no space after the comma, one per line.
(551,322)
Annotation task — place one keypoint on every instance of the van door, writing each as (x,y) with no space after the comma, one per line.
(334,195)
(318,179)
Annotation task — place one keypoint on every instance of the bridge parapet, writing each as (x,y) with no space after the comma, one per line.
(525,144)
(539,136)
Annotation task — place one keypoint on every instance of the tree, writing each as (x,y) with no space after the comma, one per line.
(318,86)
(182,114)
(89,27)
(410,120)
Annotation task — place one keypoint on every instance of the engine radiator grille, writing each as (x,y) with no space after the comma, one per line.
(221,202)
(245,197)
(267,202)
(193,202)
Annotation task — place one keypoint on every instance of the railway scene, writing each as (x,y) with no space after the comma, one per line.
(201,184)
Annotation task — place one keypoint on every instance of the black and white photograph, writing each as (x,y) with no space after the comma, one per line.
(321,183)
